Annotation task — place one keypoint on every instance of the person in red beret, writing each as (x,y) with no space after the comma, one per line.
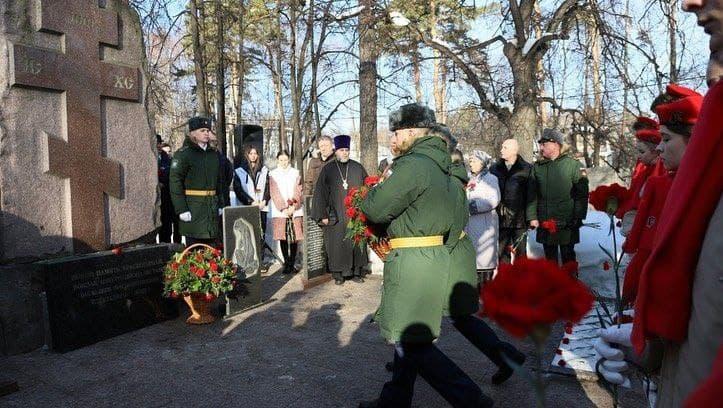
(678,110)
(647,133)
(679,302)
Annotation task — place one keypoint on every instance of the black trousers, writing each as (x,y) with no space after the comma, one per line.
(567,253)
(434,367)
(169,220)
(289,252)
(208,241)
(508,237)
(481,335)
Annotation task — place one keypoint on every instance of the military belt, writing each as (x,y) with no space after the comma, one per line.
(201,193)
(416,242)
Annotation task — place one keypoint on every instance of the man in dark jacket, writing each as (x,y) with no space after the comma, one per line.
(557,191)
(512,172)
(196,185)
(169,219)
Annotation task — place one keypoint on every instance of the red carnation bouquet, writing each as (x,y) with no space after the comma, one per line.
(358,229)
(202,272)
(527,297)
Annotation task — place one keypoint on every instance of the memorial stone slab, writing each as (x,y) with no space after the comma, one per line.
(314,254)
(243,245)
(102,295)
(75,129)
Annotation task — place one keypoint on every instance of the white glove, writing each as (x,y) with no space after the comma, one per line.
(185,217)
(614,368)
(220,212)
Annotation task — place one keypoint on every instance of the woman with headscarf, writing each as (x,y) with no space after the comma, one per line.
(483,196)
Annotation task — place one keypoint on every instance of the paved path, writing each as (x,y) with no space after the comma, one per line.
(303,349)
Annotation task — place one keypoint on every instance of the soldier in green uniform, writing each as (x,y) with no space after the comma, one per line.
(414,202)
(557,190)
(195,184)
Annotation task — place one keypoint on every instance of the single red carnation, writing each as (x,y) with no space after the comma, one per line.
(351,212)
(174,266)
(368,232)
(173,294)
(371,181)
(352,191)
(361,217)
(216,279)
(568,330)
(608,198)
(210,297)
(550,225)
(348,201)
(217,252)
(606,266)
(561,363)
(117,250)
(214,266)
(558,352)
(565,340)
(532,293)
(200,272)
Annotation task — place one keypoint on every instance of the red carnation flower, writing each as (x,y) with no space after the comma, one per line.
(174,266)
(568,330)
(216,279)
(361,217)
(117,250)
(534,292)
(561,363)
(368,232)
(210,297)
(371,181)
(200,272)
(348,201)
(565,340)
(606,266)
(471,185)
(550,225)
(173,294)
(609,198)
(352,191)
(217,252)
(351,212)
(214,266)
(558,352)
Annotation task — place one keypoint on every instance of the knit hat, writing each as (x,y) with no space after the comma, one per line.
(413,115)
(199,122)
(551,135)
(342,142)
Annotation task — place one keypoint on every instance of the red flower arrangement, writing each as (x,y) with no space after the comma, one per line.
(534,293)
(358,229)
(608,198)
(202,271)
(470,186)
(606,266)
(550,225)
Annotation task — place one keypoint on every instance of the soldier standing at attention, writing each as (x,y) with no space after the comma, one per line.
(195,184)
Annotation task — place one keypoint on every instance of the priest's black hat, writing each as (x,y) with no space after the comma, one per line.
(342,142)
(413,115)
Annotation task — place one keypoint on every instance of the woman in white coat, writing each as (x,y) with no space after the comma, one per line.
(286,209)
(483,196)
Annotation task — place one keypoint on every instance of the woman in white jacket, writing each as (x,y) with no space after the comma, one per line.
(286,209)
(483,196)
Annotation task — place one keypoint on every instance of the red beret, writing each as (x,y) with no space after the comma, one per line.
(648,130)
(684,109)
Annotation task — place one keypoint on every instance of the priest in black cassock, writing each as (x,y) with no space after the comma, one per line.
(336,178)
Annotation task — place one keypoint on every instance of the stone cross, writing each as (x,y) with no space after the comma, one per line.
(84,79)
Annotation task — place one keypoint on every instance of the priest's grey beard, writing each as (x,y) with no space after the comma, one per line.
(343,160)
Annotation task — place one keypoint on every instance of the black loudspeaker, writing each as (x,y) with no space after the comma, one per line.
(247,135)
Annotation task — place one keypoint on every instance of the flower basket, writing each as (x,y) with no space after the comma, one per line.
(200,274)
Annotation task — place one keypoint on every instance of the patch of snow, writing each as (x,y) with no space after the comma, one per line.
(353,12)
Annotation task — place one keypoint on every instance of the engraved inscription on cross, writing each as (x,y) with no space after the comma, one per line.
(83,78)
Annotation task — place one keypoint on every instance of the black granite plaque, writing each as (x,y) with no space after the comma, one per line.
(314,255)
(97,296)
(243,245)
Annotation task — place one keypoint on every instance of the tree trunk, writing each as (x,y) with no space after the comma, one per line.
(522,124)
(198,64)
(597,91)
(440,72)
(368,88)
(241,66)
(296,69)
(277,72)
(220,81)
(416,75)
(672,31)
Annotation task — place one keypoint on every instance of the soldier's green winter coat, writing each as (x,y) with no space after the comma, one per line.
(416,201)
(193,168)
(558,190)
(462,297)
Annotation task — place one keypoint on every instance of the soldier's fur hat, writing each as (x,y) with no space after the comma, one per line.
(413,115)
(551,135)
(199,122)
